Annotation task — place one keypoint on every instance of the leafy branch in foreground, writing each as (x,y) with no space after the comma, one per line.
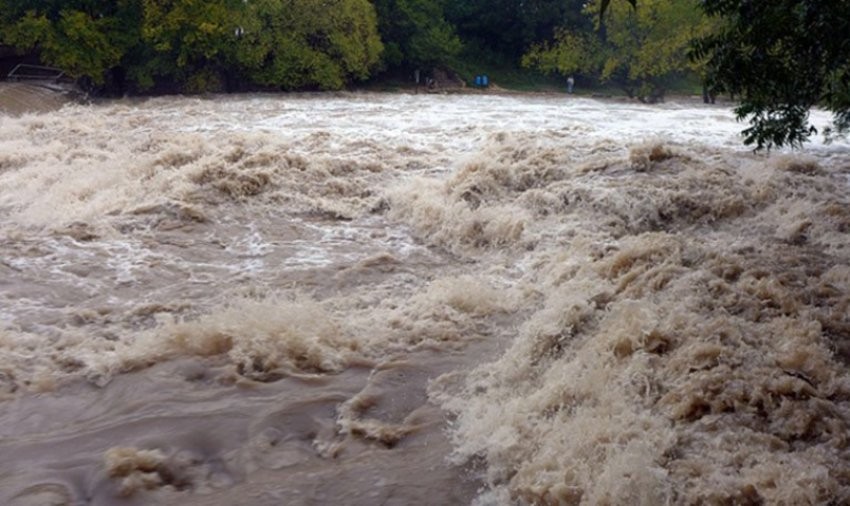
(782,58)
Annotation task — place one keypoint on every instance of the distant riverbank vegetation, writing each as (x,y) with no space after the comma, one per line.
(779,58)
(193,46)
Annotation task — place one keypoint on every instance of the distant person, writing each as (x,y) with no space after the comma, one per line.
(570,84)
(708,96)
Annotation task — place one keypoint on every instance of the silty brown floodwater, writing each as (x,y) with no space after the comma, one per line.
(395,299)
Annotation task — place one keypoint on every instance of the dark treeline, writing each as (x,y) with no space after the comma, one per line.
(779,57)
(120,46)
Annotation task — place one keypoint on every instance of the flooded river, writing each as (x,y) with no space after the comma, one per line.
(396,299)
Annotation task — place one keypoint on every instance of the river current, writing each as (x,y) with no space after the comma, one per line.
(419,299)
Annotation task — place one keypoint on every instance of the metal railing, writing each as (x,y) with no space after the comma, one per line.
(27,72)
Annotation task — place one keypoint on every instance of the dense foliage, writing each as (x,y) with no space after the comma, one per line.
(781,58)
(83,37)
(416,33)
(304,43)
(508,28)
(638,48)
(195,45)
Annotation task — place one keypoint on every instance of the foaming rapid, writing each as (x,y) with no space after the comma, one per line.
(401,299)
(689,341)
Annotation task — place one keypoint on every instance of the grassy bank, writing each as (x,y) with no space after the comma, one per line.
(507,76)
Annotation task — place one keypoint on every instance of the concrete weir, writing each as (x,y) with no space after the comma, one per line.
(17,98)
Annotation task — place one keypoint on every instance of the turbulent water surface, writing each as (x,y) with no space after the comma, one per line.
(22,98)
(391,299)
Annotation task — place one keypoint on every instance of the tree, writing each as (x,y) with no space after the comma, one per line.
(230,44)
(636,48)
(508,28)
(199,45)
(189,42)
(84,38)
(781,57)
(416,33)
(297,44)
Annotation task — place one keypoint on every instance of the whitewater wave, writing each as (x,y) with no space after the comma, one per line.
(285,297)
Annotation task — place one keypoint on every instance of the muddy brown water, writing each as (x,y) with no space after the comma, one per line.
(391,299)
(17,98)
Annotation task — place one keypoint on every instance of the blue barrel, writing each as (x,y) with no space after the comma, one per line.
(485,81)
(477,80)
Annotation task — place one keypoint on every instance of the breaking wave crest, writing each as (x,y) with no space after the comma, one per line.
(689,339)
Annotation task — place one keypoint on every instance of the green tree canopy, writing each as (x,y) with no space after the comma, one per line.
(781,57)
(416,33)
(510,27)
(200,45)
(303,43)
(636,48)
(85,38)
(287,44)
(188,41)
